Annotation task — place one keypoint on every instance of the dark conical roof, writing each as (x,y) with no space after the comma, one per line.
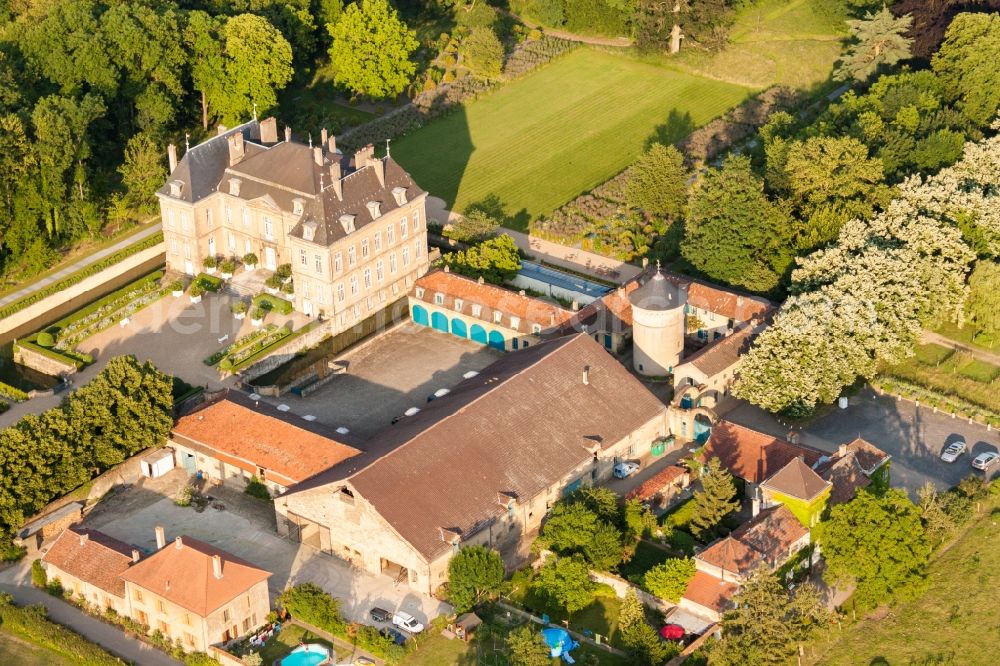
(658,293)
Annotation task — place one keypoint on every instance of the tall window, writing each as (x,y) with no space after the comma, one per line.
(364,248)
(229,214)
(340,293)
(418,248)
(354,285)
(404,230)
(406,256)
(379,270)
(246,218)
(171,219)
(368,278)
(392,263)
(185,222)
(232,242)
(416,220)
(390,235)
(268,228)
(302,258)
(378,241)
(338,262)
(173,246)
(318,260)
(208,218)
(352,256)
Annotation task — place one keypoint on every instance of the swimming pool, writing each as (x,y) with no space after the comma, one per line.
(310,654)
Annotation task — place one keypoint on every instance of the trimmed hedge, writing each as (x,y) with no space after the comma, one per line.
(239,344)
(13,393)
(209,282)
(273,304)
(79,276)
(80,360)
(106,311)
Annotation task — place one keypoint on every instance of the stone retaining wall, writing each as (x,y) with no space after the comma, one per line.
(287,352)
(43,363)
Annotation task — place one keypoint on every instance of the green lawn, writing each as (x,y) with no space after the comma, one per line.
(956,621)
(932,354)
(16,650)
(969,336)
(645,558)
(540,141)
(290,637)
(952,373)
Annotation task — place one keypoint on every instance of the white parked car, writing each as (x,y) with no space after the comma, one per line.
(953,451)
(623,470)
(407,622)
(985,460)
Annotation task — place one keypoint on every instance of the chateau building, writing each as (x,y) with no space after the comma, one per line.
(353,228)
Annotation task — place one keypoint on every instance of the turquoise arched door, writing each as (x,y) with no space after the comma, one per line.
(439,322)
(478,334)
(702,429)
(458,328)
(497,341)
(420,315)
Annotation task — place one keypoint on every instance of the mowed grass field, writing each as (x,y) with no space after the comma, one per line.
(540,141)
(16,650)
(955,622)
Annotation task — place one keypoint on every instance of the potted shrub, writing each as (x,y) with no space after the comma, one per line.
(288,288)
(284,272)
(176,288)
(272,284)
(250,261)
(257,316)
(46,340)
(210,264)
(195,292)
(239,309)
(228,267)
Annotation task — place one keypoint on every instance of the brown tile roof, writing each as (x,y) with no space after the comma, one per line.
(656,483)
(492,298)
(771,534)
(202,166)
(260,436)
(847,478)
(181,572)
(798,480)
(868,455)
(710,592)
(720,355)
(731,555)
(92,557)
(521,425)
(751,455)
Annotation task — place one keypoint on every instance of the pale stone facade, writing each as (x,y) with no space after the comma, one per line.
(87,591)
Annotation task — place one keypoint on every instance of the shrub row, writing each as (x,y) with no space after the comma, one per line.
(238,344)
(75,358)
(31,623)
(81,275)
(106,312)
(246,363)
(209,282)
(436,102)
(250,353)
(272,303)
(13,393)
(947,403)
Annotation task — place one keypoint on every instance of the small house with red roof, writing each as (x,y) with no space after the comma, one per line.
(89,565)
(659,490)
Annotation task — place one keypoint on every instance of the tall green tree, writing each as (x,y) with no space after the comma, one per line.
(475,573)
(143,171)
(733,233)
(983,303)
(657,182)
(879,41)
(496,260)
(670,580)
(371,50)
(482,52)
(966,62)
(203,37)
(715,500)
(527,647)
(565,584)
(575,528)
(258,63)
(877,544)
(638,637)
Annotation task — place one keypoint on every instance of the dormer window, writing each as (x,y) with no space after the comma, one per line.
(536,328)
(439,299)
(234,186)
(309,230)
(515,322)
(420,292)
(347,221)
(458,305)
(375,209)
(399,194)
(176,187)
(477,310)
(297,206)
(497,317)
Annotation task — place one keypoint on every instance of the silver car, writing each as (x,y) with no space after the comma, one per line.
(953,451)
(985,460)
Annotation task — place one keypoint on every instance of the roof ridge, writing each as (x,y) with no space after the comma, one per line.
(563,343)
(219,136)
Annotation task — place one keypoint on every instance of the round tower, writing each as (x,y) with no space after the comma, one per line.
(657,325)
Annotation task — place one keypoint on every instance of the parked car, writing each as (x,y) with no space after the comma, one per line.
(623,470)
(953,451)
(380,614)
(985,460)
(398,637)
(407,622)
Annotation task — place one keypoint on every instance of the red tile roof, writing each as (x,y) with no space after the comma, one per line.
(182,572)
(731,555)
(847,478)
(655,484)
(868,455)
(710,592)
(771,534)
(722,354)
(527,309)
(798,480)
(751,455)
(249,438)
(92,557)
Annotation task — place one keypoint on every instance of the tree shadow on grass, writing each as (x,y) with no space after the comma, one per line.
(677,126)
(494,206)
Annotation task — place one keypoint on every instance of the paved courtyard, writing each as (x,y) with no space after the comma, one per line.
(914,436)
(389,374)
(245,527)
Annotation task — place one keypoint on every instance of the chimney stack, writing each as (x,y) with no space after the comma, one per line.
(288,134)
(172,156)
(221,129)
(361,159)
(481,280)
(161,540)
(318,155)
(522,292)
(84,538)
(586,375)
(217,566)
(269,131)
(842,450)
(236,148)
(178,543)
(379,171)
(331,144)
(447,268)
(335,177)
(755,507)
(575,305)
(135,555)
(323,136)
(645,262)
